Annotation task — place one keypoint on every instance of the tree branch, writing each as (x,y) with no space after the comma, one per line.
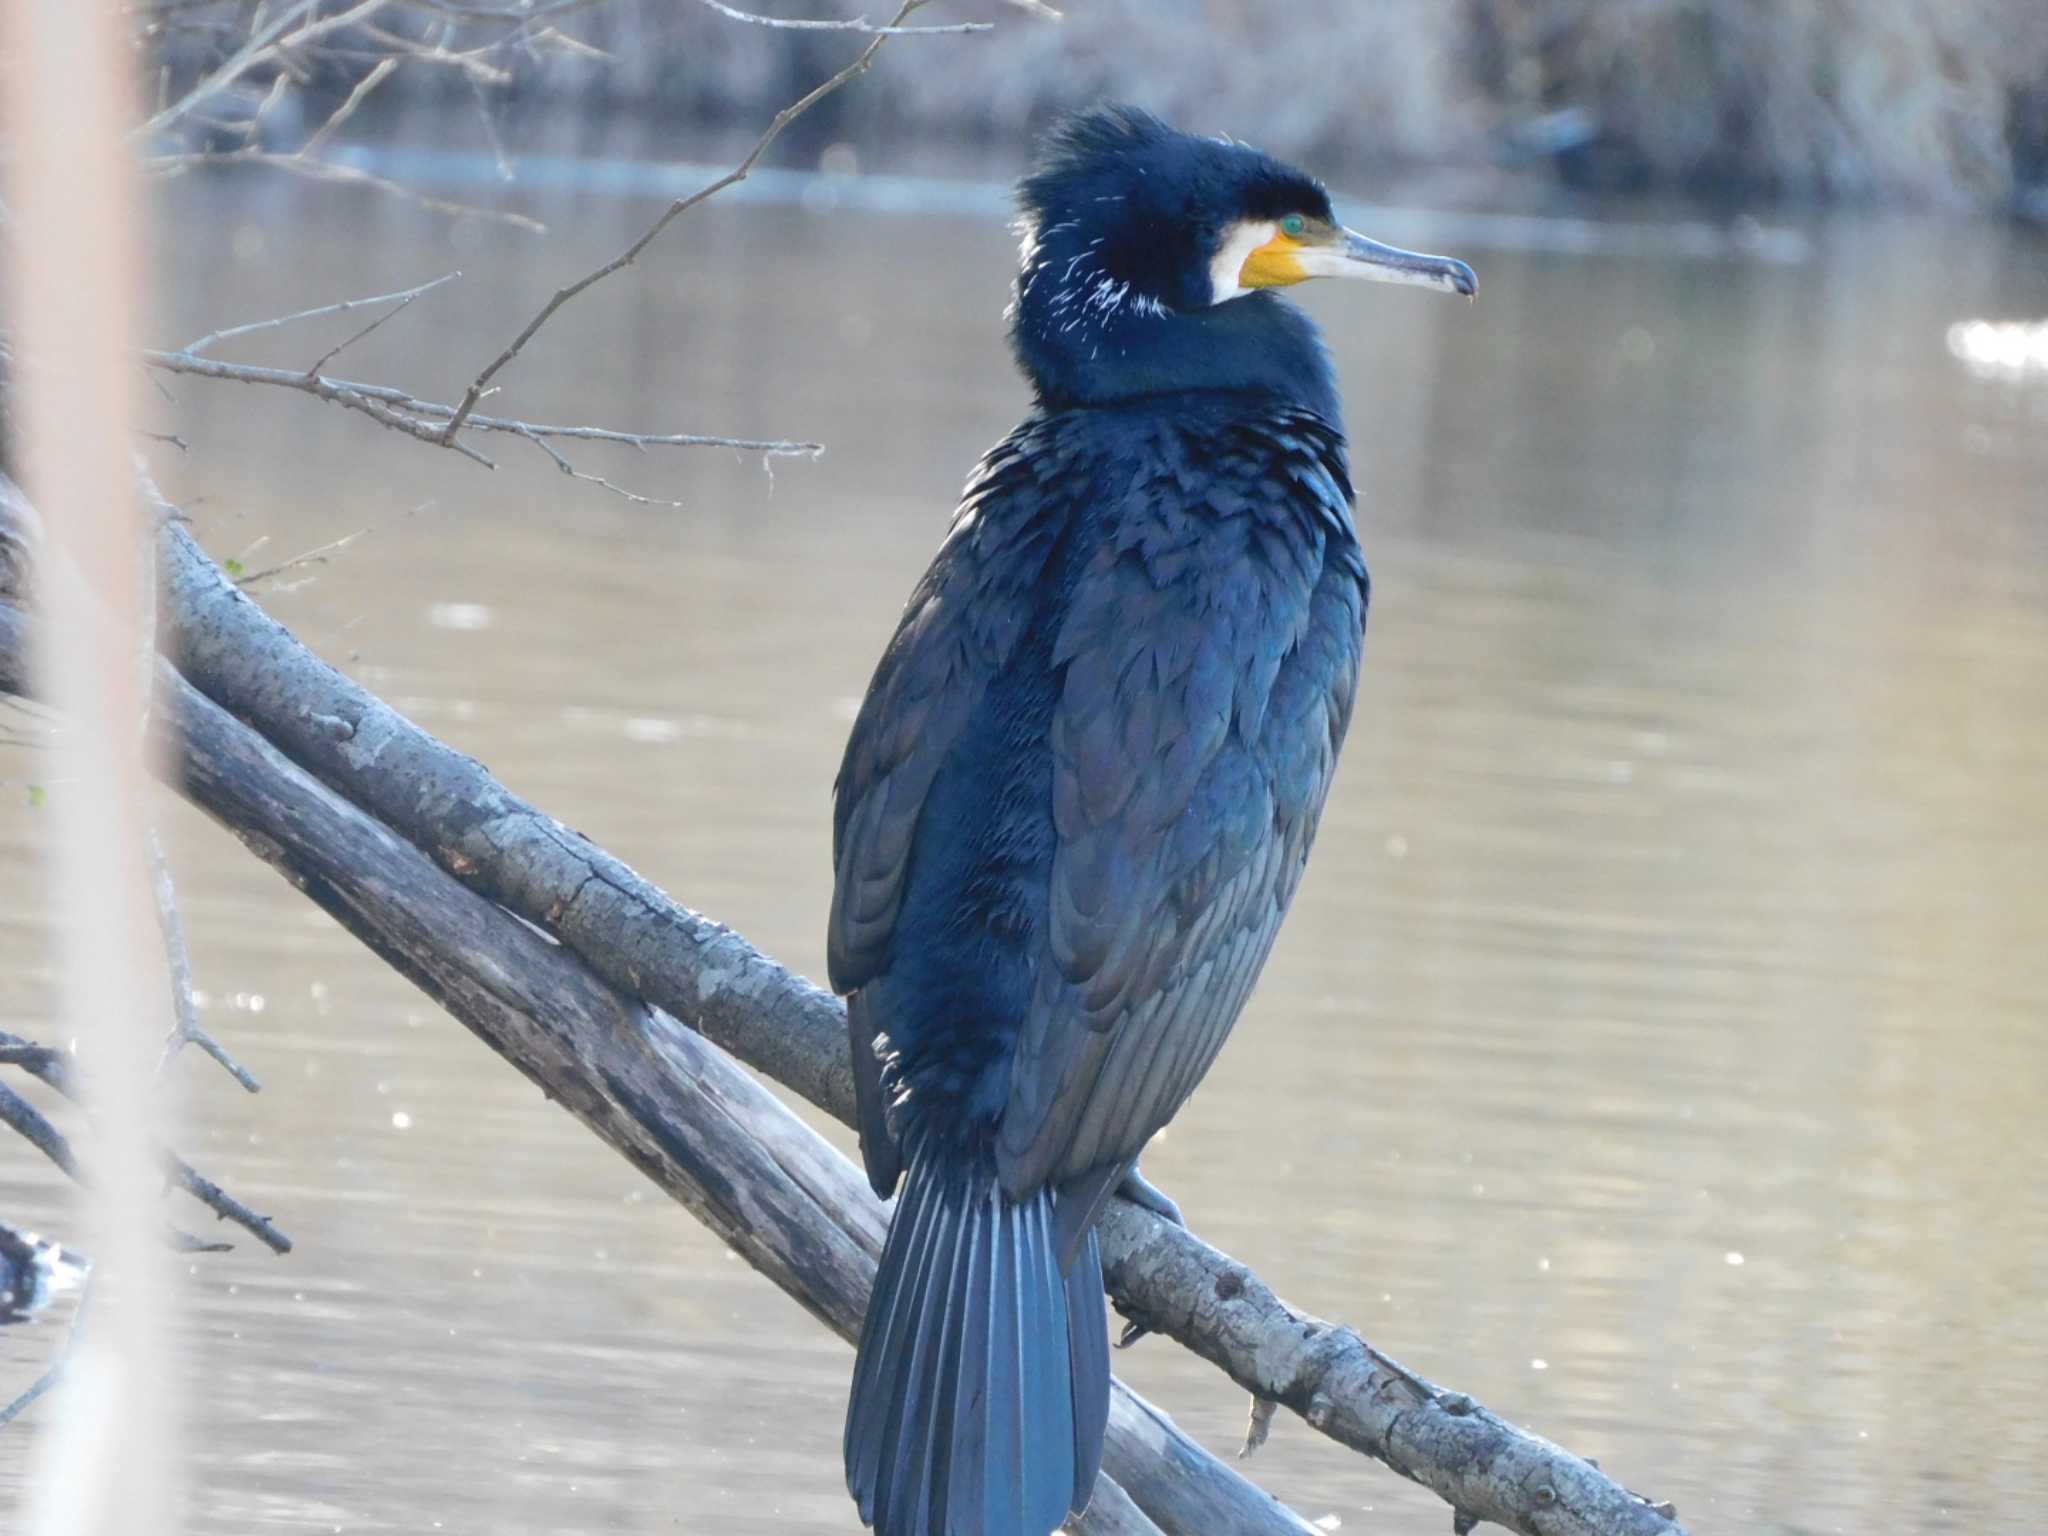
(59,1069)
(166,166)
(702,973)
(661,1095)
(34,1127)
(248,56)
(507,856)
(186,1028)
(420,419)
(674,211)
(401,299)
(55,1373)
(851,24)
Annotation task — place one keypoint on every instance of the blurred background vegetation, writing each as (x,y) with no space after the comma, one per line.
(1942,102)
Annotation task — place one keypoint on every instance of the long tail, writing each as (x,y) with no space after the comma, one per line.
(981,1390)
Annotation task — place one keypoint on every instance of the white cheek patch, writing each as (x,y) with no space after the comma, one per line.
(1239,241)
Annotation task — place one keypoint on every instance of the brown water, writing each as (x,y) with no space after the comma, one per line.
(1658,1046)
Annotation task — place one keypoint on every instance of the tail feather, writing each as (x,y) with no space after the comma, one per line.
(886,1338)
(981,1389)
(1088,1345)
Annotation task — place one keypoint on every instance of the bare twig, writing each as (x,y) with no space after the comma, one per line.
(851,24)
(223,1204)
(401,299)
(55,1373)
(386,406)
(562,463)
(378,74)
(422,419)
(490,127)
(314,556)
(327,170)
(42,1385)
(35,1128)
(38,1059)
(49,1064)
(245,58)
(178,961)
(470,61)
(525,15)
(59,1070)
(675,210)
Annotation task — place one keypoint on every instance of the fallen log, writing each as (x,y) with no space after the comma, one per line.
(662,963)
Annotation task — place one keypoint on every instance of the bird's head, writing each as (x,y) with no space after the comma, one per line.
(1149,256)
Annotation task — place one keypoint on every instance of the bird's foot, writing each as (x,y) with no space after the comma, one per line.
(1139,1190)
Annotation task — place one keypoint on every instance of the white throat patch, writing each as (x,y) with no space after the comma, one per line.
(1239,241)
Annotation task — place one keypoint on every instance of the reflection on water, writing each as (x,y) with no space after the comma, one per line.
(2000,349)
(1656,1050)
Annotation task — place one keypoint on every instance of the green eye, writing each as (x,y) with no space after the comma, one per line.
(1294,226)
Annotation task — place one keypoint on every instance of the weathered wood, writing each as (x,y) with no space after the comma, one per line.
(1482,1466)
(661,1095)
(703,973)
(625,929)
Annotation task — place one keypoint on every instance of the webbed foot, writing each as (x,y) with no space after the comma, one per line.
(1139,1190)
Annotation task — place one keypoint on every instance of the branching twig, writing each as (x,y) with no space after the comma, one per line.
(59,1070)
(470,61)
(34,1127)
(674,211)
(43,1062)
(562,463)
(489,126)
(525,16)
(401,299)
(55,1373)
(178,961)
(314,556)
(42,1385)
(327,170)
(851,24)
(386,406)
(38,1059)
(223,1204)
(258,48)
(422,419)
(379,73)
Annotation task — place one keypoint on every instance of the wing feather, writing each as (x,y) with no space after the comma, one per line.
(962,624)
(1192,753)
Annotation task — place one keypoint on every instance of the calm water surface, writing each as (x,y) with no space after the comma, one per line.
(1657,1050)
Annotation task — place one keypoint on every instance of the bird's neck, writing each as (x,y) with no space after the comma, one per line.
(1095,345)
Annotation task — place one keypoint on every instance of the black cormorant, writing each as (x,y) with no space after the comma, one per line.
(1081,791)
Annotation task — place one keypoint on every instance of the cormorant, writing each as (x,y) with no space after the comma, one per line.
(1081,790)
